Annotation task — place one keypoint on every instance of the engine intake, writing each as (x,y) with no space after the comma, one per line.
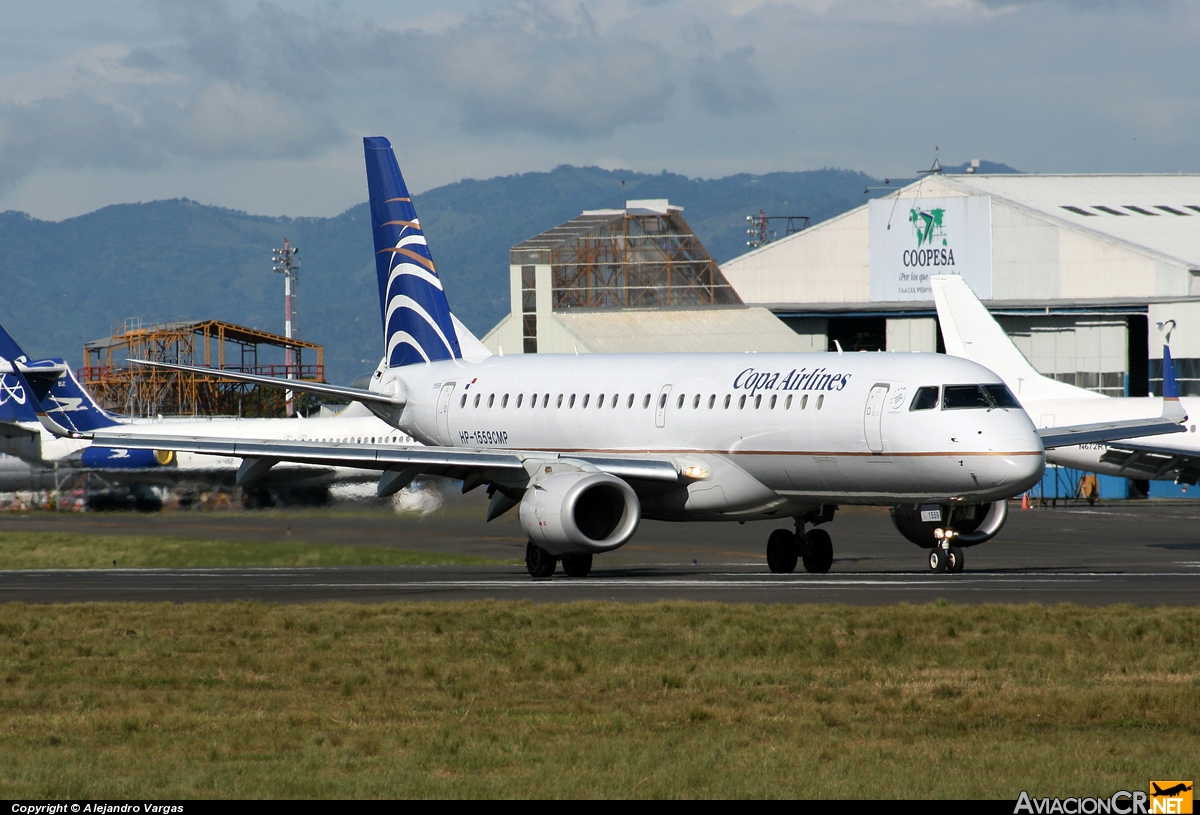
(580,513)
(974,524)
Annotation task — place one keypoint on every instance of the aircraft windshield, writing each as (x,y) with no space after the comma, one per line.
(958,397)
(925,399)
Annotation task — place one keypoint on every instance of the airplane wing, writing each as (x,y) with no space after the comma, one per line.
(303,385)
(1154,461)
(1100,432)
(451,462)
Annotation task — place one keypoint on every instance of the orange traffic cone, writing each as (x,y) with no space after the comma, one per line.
(1024,500)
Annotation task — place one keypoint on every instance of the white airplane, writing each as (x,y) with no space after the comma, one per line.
(45,416)
(589,445)
(970,332)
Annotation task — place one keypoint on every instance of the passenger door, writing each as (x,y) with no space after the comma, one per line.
(873,417)
(443,412)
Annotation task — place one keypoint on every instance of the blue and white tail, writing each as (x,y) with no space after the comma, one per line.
(18,405)
(417,324)
(68,409)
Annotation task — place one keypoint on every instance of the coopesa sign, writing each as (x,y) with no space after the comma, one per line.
(914,238)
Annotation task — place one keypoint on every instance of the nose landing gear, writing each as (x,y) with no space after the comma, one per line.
(945,556)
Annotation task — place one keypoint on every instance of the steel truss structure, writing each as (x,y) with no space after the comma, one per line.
(619,259)
(137,390)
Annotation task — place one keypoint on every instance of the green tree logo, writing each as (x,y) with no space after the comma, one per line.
(927,225)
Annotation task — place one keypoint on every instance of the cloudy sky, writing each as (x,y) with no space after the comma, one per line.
(261,105)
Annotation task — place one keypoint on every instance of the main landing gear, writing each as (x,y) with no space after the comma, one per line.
(785,548)
(541,563)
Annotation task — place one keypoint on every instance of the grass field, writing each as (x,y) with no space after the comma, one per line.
(53,550)
(594,699)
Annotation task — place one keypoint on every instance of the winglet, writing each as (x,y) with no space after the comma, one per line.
(1169,389)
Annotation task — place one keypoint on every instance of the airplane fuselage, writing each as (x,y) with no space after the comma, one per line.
(771,430)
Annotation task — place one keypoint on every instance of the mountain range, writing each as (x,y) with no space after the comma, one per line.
(67,282)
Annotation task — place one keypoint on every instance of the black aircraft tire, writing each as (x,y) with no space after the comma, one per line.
(782,551)
(818,552)
(937,559)
(538,561)
(954,560)
(577,565)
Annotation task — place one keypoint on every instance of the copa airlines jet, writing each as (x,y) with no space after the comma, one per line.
(972,333)
(45,415)
(589,445)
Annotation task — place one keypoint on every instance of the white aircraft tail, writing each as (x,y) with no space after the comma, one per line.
(971,332)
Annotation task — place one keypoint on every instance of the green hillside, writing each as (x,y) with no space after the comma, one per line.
(67,282)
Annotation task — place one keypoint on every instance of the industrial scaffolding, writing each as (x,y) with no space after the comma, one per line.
(139,390)
(632,258)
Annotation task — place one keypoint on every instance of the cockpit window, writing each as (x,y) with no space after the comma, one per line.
(978,396)
(964,396)
(925,399)
(1002,396)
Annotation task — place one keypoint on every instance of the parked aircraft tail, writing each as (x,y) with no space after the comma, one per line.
(417,323)
(68,409)
(969,331)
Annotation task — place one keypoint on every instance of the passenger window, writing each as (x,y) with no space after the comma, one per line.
(787,403)
(586,396)
(820,401)
(600,400)
(926,398)
(571,402)
(662,401)
(476,402)
(463,402)
(546,400)
(630,404)
(804,401)
(772,401)
(558,401)
(504,401)
(680,403)
(491,398)
(614,404)
(742,402)
(727,401)
(712,400)
(960,397)
(520,396)
(696,402)
(757,401)
(646,401)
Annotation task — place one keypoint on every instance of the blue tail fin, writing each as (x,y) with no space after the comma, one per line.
(17,402)
(68,408)
(417,326)
(1169,389)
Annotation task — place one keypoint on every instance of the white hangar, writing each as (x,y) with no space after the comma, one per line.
(1087,272)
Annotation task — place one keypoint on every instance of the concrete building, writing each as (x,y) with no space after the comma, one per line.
(1086,272)
(629,280)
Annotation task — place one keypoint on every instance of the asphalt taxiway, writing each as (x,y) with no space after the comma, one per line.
(1145,553)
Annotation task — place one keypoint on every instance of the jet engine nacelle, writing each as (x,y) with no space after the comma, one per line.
(972,524)
(580,513)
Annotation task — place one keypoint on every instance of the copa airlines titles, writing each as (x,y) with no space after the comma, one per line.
(928,257)
(802,380)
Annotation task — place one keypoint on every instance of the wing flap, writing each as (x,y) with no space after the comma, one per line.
(1107,431)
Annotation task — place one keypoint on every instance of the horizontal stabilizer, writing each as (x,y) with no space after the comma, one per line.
(302,385)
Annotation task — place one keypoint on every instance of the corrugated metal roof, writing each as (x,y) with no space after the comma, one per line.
(1158,212)
(681,330)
